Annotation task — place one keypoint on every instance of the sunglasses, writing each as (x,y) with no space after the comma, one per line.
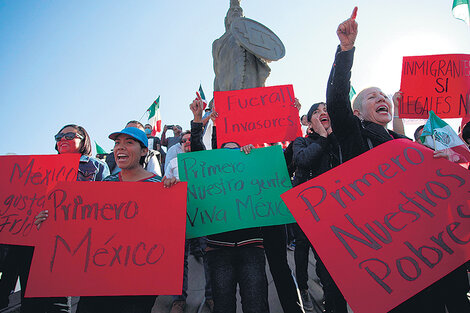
(184,140)
(68,136)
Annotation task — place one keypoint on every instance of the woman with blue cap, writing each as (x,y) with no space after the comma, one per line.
(130,149)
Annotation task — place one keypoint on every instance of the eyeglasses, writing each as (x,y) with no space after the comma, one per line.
(68,136)
(184,140)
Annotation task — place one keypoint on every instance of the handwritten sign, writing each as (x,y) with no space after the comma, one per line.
(394,219)
(229,190)
(257,115)
(110,238)
(435,82)
(23,184)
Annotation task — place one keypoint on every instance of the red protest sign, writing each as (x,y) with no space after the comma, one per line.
(440,83)
(257,115)
(394,219)
(22,191)
(110,238)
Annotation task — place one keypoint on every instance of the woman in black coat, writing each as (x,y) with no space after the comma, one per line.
(313,155)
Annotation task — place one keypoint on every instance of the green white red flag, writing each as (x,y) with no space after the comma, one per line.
(201,96)
(461,10)
(439,136)
(154,117)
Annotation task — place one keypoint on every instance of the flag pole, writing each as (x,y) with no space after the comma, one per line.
(143,115)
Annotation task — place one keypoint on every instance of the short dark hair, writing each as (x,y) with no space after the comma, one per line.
(187,132)
(416,134)
(85,143)
(312,109)
(466,132)
(135,122)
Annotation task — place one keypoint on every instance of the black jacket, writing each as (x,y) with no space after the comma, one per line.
(314,155)
(354,136)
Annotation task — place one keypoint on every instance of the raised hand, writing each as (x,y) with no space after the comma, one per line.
(196,107)
(397,97)
(347,32)
(214,115)
(297,104)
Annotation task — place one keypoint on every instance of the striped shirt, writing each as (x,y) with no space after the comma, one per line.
(117,177)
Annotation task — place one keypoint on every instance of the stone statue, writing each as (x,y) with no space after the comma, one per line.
(242,52)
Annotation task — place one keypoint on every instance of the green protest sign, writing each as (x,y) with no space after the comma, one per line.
(229,190)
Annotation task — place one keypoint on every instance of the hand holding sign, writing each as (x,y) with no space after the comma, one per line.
(297,104)
(397,99)
(347,32)
(41,217)
(169,182)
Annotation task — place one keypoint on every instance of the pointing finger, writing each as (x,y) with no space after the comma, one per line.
(354,13)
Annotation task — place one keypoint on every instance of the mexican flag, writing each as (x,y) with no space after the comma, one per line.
(99,150)
(154,117)
(200,94)
(439,136)
(461,10)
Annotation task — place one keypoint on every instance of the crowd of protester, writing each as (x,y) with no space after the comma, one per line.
(333,132)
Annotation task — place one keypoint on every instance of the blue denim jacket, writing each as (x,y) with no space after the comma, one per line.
(91,169)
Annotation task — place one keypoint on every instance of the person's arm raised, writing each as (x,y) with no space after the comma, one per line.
(196,125)
(163,139)
(345,125)
(196,108)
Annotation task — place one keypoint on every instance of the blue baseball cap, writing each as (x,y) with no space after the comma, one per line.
(135,133)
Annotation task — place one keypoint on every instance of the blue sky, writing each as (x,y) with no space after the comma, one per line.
(101,63)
